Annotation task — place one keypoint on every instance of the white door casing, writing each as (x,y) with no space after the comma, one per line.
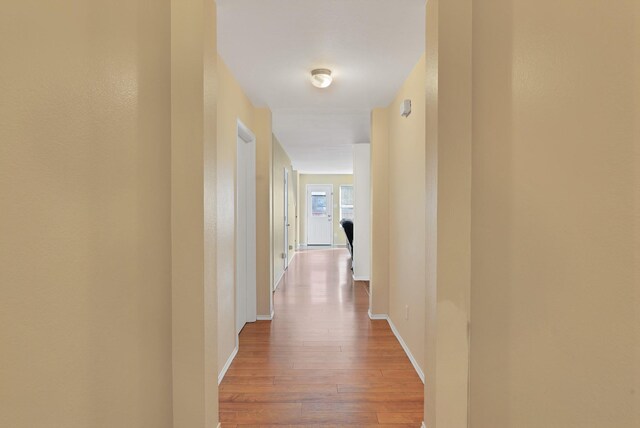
(319,214)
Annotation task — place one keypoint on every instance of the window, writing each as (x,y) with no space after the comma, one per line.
(318,204)
(346,202)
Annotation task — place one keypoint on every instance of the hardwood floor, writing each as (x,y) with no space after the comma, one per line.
(321,361)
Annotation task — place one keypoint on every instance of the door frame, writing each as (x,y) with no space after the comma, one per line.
(245,136)
(308,211)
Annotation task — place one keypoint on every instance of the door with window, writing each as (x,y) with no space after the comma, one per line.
(319,214)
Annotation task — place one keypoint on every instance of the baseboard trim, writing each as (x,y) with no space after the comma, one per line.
(360,278)
(265,317)
(275,287)
(423,425)
(291,258)
(378,316)
(401,340)
(223,372)
(406,349)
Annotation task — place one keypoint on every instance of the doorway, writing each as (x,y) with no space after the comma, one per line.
(320,214)
(246,310)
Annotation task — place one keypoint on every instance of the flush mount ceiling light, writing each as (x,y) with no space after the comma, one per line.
(321,77)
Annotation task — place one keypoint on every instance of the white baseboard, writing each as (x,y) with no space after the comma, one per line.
(275,286)
(291,258)
(223,372)
(377,316)
(401,340)
(423,425)
(265,317)
(321,247)
(360,278)
(406,349)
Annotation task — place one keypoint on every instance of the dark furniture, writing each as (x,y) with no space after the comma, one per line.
(347,226)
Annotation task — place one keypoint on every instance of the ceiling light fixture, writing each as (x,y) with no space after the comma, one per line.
(321,77)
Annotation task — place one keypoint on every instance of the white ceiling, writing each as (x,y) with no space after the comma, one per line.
(271,46)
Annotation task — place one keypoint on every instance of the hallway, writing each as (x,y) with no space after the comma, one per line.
(321,361)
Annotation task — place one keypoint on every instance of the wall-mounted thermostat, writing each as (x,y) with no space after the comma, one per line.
(405,108)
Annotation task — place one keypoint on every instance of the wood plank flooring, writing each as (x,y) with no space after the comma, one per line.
(321,362)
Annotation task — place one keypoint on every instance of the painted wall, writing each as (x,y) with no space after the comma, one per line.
(555,333)
(406,212)
(85,191)
(293,237)
(264,214)
(362,211)
(379,284)
(336,180)
(448,211)
(233,104)
(281,162)
(193,213)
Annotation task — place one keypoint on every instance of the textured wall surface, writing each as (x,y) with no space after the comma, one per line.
(554,307)
(407,212)
(85,197)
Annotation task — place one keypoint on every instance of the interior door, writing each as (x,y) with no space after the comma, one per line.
(241,237)
(319,214)
(286,218)
(245,230)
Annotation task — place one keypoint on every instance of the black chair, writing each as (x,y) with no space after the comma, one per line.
(347,226)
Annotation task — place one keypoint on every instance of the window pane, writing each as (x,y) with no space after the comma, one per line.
(346,202)
(346,213)
(318,204)
(346,195)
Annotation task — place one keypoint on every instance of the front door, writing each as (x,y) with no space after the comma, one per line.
(319,214)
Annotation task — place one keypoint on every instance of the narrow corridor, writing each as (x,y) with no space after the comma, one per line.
(321,361)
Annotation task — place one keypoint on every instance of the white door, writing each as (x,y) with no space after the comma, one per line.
(319,214)
(245,228)
(286,218)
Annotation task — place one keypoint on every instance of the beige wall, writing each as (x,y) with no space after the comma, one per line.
(297,210)
(407,212)
(554,238)
(193,213)
(448,160)
(379,284)
(555,233)
(336,180)
(233,104)
(281,162)
(264,214)
(85,191)
(293,215)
